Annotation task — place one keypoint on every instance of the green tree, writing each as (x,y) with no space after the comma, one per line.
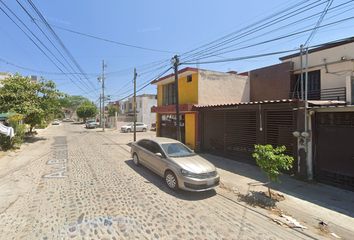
(112,110)
(86,111)
(34,99)
(74,101)
(271,160)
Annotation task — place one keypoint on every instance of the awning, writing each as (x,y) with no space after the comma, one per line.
(326,103)
(4,115)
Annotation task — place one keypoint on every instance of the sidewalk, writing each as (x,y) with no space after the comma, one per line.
(311,203)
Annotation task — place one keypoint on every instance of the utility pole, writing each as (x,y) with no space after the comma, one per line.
(100,109)
(101,79)
(175,62)
(134,104)
(104,120)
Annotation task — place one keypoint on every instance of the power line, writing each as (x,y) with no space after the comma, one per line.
(37,45)
(279,15)
(47,39)
(318,22)
(264,55)
(59,40)
(107,40)
(274,39)
(250,31)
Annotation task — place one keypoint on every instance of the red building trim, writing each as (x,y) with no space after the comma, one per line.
(171,109)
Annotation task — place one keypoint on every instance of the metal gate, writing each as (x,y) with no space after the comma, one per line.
(334,154)
(278,131)
(230,134)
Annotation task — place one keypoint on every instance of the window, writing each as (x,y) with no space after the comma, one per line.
(130,105)
(168,94)
(189,78)
(313,85)
(144,144)
(155,148)
(141,103)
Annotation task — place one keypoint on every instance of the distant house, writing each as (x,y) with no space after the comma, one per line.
(196,87)
(144,103)
(4,75)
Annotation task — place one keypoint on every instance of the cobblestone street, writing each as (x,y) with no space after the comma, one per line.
(80,183)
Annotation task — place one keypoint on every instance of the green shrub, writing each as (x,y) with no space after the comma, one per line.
(271,161)
(19,129)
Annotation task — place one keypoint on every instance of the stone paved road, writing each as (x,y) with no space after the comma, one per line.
(81,183)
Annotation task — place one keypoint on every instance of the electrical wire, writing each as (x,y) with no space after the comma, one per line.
(49,41)
(280,15)
(318,22)
(59,40)
(107,40)
(37,45)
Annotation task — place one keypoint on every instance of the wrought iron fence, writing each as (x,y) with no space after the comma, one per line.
(330,94)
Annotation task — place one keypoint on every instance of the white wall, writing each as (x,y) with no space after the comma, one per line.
(222,88)
(337,70)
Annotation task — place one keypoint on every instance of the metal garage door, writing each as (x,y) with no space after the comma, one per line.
(230,134)
(334,155)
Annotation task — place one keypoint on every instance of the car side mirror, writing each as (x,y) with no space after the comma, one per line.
(159,155)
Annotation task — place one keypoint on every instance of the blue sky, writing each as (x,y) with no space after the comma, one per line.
(147,34)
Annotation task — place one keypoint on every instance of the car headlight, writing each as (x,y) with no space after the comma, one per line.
(189,174)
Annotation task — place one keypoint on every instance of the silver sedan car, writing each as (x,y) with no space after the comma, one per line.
(176,163)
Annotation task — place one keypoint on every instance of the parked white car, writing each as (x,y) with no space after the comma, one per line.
(91,124)
(55,122)
(140,127)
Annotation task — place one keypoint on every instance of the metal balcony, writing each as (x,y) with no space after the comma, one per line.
(329,94)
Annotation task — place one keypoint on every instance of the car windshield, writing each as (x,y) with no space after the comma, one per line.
(91,121)
(177,150)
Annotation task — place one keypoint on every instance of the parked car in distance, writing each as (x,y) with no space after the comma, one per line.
(176,163)
(153,127)
(55,122)
(68,120)
(91,124)
(140,127)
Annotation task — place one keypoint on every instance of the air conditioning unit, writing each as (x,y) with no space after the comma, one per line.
(350,90)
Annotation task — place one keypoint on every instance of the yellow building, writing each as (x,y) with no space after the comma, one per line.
(196,87)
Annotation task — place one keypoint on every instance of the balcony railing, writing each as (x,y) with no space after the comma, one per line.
(329,94)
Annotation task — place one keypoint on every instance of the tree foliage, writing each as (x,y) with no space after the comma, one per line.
(36,100)
(19,131)
(112,110)
(86,111)
(271,160)
(74,101)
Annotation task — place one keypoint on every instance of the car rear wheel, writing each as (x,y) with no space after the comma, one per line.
(136,159)
(144,129)
(171,180)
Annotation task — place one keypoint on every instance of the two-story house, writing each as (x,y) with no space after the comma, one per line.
(324,131)
(144,103)
(195,87)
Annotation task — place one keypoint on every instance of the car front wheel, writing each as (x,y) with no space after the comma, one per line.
(136,159)
(128,130)
(171,180)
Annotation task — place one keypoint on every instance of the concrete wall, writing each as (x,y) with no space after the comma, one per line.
(337,70)
(222,88)
(271,83)
(146,116)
